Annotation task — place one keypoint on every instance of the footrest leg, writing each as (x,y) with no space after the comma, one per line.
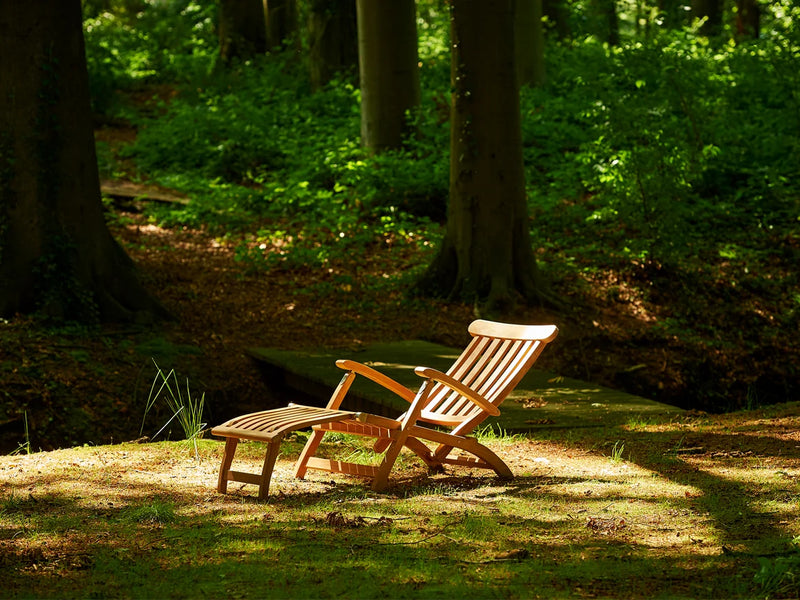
(273,449)
(227,459)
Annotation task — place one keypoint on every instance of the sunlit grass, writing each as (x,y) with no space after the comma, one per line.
(642,527)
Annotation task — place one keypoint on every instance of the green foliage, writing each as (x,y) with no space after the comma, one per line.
(779,577)
(494,434)
(433,24)
(165,41)
(617,450)
(664,134)
(218,137)
(678,143)
(314,174)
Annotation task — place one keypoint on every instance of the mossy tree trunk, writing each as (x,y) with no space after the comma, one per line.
(607,21)
(486,254)
(388,69)
(56,252)
(332,40)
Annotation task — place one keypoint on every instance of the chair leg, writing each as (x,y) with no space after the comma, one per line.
(490,458)
(494,461)
(423,452)
(381,445)
(381,479)
(441,452)
(227,458)
(273,449)
(310,448)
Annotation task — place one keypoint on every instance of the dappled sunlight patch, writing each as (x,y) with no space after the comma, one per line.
(610,288)
(571,513)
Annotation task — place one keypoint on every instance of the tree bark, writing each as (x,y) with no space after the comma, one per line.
(486,254)
(748,20)
(56,253)
(607,21)
(242,29)
(529,40)
(281,22)
(333,40)
(388,69)
(672,12)
(711,10)
(557,13)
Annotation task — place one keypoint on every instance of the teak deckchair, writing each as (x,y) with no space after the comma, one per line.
(454,403)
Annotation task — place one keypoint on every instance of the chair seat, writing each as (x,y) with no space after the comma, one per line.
(266,425)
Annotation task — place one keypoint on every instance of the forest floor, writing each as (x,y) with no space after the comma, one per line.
(688,506)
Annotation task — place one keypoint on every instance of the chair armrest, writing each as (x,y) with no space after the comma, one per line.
(378,377)
(459,387)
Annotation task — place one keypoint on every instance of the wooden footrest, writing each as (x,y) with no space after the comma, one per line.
(267,426)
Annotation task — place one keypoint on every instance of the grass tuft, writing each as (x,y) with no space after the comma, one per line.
(186,409)
(156,512)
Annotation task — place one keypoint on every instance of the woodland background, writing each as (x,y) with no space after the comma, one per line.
(661,153)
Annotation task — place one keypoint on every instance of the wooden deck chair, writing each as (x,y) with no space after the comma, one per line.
(444,410)
(454,403)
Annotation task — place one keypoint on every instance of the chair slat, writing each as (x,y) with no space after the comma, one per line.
(441,395)
(511,377)
(483,372)
(509,365)
(469,371)
(476,348)
(498,379)
(495,349)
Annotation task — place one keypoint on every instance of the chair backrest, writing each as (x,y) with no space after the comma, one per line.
(493,363)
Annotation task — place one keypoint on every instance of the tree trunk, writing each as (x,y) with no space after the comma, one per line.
(557,13)
(281,22)
(486,254)
(672,12)
(529,40)
(607,21)
(711,10)
(389,74)
(748,25)
(333,40)
(56,253)
(242,29)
